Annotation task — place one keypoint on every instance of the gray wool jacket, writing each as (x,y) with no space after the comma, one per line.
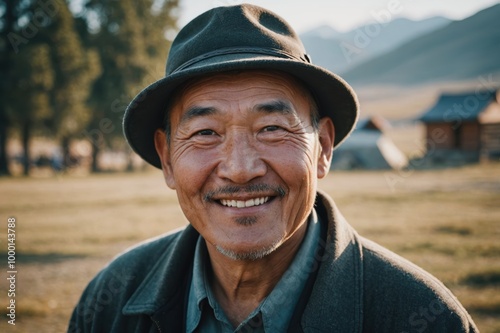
(354,286)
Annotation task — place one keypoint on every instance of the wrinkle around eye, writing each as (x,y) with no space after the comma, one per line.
(272,128)
(276,134)
(272,133)
(198,138)
(205,132)
(204,140)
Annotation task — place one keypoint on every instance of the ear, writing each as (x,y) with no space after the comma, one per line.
(162,149)
(326,134)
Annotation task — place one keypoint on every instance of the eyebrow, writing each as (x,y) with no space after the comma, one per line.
(197,111)
(277,106)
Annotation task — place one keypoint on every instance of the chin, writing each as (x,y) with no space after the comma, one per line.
(250,255)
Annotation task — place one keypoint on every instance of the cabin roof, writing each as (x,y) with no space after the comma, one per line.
(454,107)
(374,122)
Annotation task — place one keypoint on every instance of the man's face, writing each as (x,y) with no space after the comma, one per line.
(244,159)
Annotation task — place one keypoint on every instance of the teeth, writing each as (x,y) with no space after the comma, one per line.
(243,204)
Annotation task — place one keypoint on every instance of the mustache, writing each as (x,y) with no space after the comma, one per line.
(251,188)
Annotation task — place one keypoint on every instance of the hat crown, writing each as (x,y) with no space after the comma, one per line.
(234,29)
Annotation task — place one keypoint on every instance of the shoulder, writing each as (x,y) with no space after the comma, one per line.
(113,286)
(399,296)
(134,263)
(143,255)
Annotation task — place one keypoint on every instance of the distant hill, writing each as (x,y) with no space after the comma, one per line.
(340,51)
(461,50)
(323,31)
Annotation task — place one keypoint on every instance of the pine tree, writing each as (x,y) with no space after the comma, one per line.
(47,73)
(26,76)
(75,70)
(7,26)
(129,36)
(31,94)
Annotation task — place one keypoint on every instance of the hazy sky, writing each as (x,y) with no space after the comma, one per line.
(346,14)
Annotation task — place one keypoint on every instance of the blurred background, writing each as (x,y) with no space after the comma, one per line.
(422,70)
(420,174)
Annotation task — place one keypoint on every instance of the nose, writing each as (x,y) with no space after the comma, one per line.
(240,162)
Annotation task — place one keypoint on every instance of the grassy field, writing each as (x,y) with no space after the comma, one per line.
(69,227)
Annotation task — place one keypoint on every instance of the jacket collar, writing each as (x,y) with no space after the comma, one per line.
(336,300)
(161,288)
(335,303)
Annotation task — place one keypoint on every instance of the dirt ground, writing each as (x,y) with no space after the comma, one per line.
(69,227)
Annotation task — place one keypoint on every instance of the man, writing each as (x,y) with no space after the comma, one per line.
(242,127)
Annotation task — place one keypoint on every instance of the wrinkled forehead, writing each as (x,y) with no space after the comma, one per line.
(233,82)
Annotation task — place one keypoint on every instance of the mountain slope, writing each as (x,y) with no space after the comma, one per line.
(461,50)
(324,31)
(339,51)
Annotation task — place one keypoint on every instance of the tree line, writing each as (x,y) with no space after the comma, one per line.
(69,68)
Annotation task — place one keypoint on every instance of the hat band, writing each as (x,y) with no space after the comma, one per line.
(239,50)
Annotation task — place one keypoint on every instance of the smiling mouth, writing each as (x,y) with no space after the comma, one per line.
(244,204)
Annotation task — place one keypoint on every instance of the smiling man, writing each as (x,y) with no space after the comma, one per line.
(242,126)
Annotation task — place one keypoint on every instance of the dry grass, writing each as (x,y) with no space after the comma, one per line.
(446,221)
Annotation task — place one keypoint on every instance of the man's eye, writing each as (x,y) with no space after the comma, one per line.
(271,128)
(205,132)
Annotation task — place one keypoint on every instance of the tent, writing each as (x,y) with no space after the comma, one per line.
(368,148)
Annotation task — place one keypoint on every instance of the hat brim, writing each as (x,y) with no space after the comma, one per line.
(145,114)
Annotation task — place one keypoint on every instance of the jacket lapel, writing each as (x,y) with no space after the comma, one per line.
(161,295)
(335,303)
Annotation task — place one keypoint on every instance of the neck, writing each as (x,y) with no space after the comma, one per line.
(240,285)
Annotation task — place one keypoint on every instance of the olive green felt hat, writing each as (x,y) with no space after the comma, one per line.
(236,38)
